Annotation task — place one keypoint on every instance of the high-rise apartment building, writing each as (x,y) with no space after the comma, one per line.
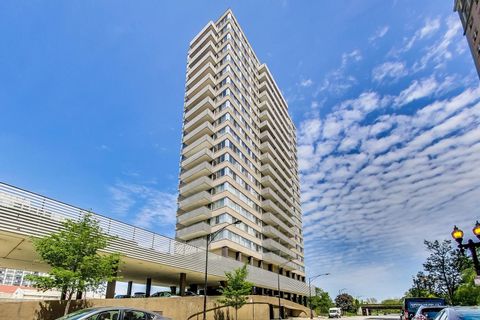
(239,156)
(469,12)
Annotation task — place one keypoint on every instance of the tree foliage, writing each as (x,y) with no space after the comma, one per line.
(444,266)
(467,293)
(345,302)
(321,301)
(72,253)
(235,292)
(442,274)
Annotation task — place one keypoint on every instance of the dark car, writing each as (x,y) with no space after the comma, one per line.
(427,312)
(113,313)
(122,296)
(190,293)
(411,305)
(459,313)
(139,295)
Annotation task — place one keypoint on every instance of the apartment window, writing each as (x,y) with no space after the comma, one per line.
(227,234)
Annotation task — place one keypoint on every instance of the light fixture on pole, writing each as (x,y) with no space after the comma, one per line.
(457,234)
(310,290)
(210,238)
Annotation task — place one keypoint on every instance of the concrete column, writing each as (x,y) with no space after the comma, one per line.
(250,261)
(225,251)
(238,256)
(183,283)
(148,287)
(260,264)
(129,288)
(173,289)
(110,294)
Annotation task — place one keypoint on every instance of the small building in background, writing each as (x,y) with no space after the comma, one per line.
(469,12)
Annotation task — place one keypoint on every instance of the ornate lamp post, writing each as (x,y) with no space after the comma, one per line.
(457,234)
(210,238)
(310,291)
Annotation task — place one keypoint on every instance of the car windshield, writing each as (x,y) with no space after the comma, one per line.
(75,315)
(469,315)
(430,313)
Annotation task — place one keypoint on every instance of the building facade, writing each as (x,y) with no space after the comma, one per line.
(239,156)
(15,277)
(469,12)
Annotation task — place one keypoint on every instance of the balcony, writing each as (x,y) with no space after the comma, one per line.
(273,232)
(198,75)
(200,170)
(270,194)
(286,184)
(269,182)
(273,245)
(194,231)
(209,80)
(206,103)
(273,258)
(197,158)
(203,143)
(204,129)
(272,219)
(208,91)
(194,216)
(197,200)
(201,184)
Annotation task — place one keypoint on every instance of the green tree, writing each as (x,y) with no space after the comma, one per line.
(321,301)
(467,293)
(444,266)
(345,302)
(423,286)
(235,293)
(76,265)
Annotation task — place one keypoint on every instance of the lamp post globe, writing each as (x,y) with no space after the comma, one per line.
(476,229)
(457,234)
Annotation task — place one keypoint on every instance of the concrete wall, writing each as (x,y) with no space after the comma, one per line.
(176,308)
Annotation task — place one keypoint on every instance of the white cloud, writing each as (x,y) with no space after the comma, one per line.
(429,28)
(389,70)
(306,83)
(380,33)
(148,207)
(417,90)
(338,81)
(377,186)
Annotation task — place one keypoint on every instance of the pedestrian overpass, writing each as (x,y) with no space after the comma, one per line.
(146,257)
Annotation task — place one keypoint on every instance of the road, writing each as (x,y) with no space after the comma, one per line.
(385,317)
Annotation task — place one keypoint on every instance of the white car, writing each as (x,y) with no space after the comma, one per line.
(335,313)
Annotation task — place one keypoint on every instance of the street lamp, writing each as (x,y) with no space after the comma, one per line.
(210,238)
(278,283)
(457,234)
(310,290)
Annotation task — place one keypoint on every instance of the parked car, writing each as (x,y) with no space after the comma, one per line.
(139,295)
(113,313)
(190,293)
(411,305)
(459,313)
(427,312)
(122,296)
(334,313)
(163,294)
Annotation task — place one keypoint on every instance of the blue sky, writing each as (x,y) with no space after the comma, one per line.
(384,95)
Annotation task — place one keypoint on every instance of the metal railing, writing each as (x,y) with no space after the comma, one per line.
(30,214)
